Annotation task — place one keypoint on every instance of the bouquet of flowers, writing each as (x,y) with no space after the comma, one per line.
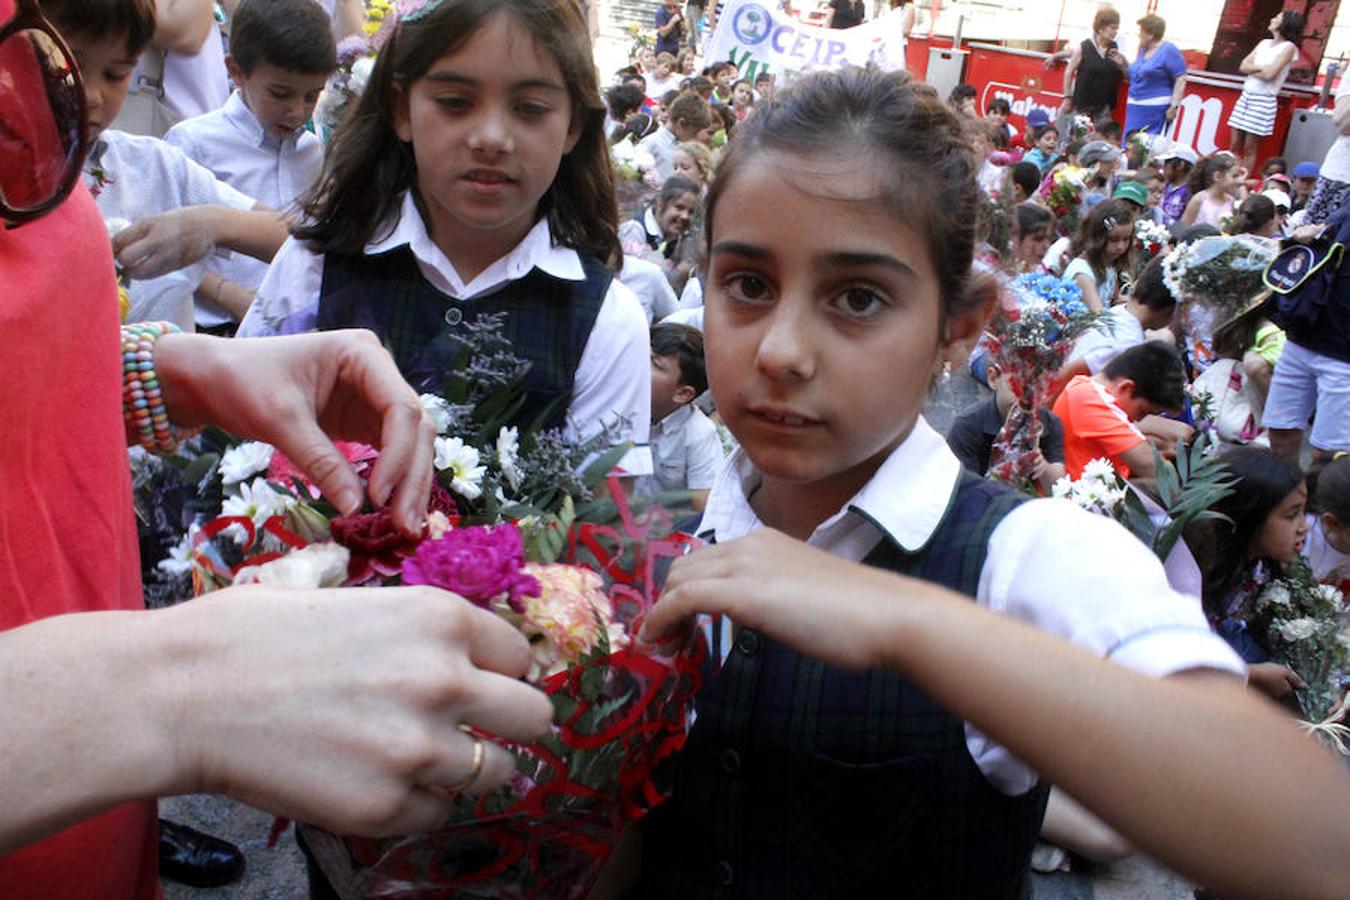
(639,39)
(1064,194)
(579,592)
(1221,272)
(1029,338)
(1186,493)
(1081,126)
(516,528)
(636,179)
(1138,149)
(1149,239)
(1306,626)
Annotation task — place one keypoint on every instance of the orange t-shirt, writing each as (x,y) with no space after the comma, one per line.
(67,528)
(1094,427)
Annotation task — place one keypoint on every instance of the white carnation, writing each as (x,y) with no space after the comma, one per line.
(1275,594)
(1329,595)
(1062,488)
(315,566)
(1298,629)
(245,460)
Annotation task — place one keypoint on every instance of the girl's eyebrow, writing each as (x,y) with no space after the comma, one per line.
(446,77)
(749,251)
(839,259)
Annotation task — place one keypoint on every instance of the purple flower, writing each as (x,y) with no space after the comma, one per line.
(478,563)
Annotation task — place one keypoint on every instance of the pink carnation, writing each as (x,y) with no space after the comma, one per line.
(283,471)
(478,563)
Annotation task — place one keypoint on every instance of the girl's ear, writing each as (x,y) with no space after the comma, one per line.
(401,114)
(574,129)
(961,330)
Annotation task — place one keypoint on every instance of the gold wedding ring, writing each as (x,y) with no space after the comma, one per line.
(478,755)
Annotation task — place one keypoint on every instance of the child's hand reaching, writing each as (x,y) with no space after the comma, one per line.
(823,606)
(1274,680)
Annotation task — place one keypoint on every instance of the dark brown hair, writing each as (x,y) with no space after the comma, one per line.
(1094,233)
(368,167)
(690,106)
(295,35)
(932,182)
(1253,214)
(95,20)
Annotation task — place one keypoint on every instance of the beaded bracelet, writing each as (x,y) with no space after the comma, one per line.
(142,399)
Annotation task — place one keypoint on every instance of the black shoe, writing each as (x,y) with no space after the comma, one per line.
(200,860)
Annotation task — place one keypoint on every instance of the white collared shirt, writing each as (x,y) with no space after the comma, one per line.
(1050,564)
(1098,346)
(661,144)
(612,384)
(274,171)
(686,453)
(147,176)
(648,282)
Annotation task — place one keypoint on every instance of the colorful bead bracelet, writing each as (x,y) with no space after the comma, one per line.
(142,399)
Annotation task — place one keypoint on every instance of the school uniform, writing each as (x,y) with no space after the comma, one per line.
(583,331)
(144,176)
(273,170)
(803,780)
(686,453)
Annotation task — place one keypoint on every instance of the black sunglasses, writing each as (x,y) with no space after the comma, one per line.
(42,117)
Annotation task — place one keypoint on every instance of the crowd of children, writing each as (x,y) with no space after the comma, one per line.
(832,240)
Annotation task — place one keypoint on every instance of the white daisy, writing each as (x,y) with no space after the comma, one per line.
(245,460)
(461,461)
(508,451)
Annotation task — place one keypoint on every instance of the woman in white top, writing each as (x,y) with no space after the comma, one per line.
(1266,67)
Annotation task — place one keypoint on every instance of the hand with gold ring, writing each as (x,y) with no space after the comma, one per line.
(360,710)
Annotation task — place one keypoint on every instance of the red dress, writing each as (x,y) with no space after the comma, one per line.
(67,530)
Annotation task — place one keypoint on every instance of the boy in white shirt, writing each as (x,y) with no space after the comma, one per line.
(686,450)
(179,213)
(281,54)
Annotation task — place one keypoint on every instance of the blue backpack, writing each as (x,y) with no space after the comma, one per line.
(1311,284)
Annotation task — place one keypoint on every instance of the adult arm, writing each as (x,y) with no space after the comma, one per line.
(183,25)
(1340,114)
(1203,776)
(1071,71)
(339,707)
(301,392)
(1178,91)
(670,25)
(1282,59)
(907,22)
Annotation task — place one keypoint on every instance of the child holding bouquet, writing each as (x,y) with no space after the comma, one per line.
(862,726)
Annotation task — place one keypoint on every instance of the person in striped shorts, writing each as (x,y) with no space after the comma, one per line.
(1266,67)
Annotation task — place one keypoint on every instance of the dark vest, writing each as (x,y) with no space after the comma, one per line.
(1094,87)
(803,780)
(547,320)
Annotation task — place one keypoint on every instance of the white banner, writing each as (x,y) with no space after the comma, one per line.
(758,36)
